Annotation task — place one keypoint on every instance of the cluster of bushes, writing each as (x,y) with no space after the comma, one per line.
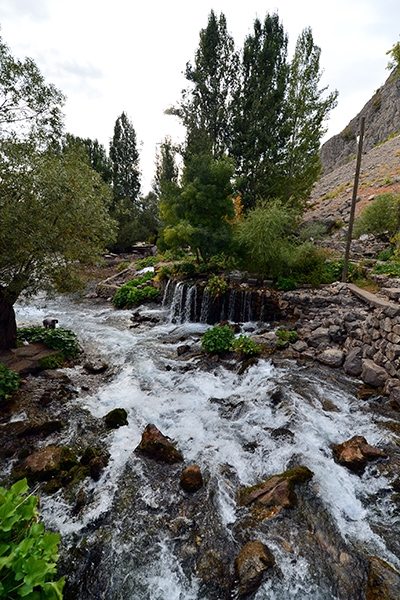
(61,339)
(222,339)
(9,382)
(130,294)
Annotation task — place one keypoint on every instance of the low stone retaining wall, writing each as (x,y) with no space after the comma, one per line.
(343,326)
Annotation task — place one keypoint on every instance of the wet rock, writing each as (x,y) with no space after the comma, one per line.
(356,453)
(253,564)
(331,357)
(118,417)
(394,398)
(271,496)
(383,581)
(95,367)
(191,479)
(246,364)
(157,446)
(46,463)
(373,374)
(182,349)
(97,466)
(353,363)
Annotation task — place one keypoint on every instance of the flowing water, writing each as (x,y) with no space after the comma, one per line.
(140,537)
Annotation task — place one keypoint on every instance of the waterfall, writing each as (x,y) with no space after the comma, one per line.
(205,307)
(190,310)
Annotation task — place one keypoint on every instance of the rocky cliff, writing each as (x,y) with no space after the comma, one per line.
(382,119)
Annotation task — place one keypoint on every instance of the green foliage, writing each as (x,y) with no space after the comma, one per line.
(9,382)
(122,266)
(54,361)
(286,284)
(394,62)
(348,134)
(287,335)
(130,294)
(267,237)
(148,261)
(184,269)
(244,345)
(60,339)
(308,264)
(163,273)
(385,255)
(218,339)
(382,214)
(28,553)
(391,269)
(334,271)
(216,286)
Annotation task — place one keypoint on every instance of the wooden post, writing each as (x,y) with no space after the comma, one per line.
(353,200)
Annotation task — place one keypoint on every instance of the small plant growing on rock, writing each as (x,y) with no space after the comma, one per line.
(9,382)
(130,294)
(216,286)
(286,284)
(218,339)
(28,552)
(60,339)
(245,345)
(54,361)
(286,335)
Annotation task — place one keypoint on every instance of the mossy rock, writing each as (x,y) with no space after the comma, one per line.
(118,417)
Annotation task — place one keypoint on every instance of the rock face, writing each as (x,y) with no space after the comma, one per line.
(254,562)
(383,581)
(353,362)
(270,497)
(191,479)
(373,374)
(157,446)
(356,453)
(382,118)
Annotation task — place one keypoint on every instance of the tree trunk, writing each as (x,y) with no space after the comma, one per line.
(8,325)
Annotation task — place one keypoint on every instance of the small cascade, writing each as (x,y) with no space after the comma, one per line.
(177,303)
(190,310)
(231,305)
(205,307)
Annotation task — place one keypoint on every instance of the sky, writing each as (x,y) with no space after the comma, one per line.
(110,57)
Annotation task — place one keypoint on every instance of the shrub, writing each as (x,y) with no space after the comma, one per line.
(218,339)
(216,286)
(186,269)
(382,214)
(54,361)
(286,284)
(287,335)
(9,382)
(244,345)
(334,271)
(148,261)
(389,268)
(28,552)
(308,264)
(122,266)
(129,296)
(60,339)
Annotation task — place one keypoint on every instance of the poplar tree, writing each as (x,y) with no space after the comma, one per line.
(259,129)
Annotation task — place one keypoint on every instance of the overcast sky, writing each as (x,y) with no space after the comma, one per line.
(129,55)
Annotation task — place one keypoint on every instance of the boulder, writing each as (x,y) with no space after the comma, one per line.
(383,581)
(116,418)
(157,446)
(276,493)
(331,357)
(319,336)
(253,564)
(353,362)
(191,479)
(356,453)
(394,398)
(46,463)
(373,374)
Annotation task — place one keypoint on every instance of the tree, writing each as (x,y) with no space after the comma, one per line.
(97,154)
(126,179)
(27,104)
(54,212)
(305,113)
(205,105)
(259,128)
(199,216)
(394,62)
(166,175)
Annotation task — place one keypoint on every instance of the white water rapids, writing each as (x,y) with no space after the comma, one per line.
(225,423)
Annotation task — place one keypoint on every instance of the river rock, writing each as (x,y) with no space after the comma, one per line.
(118,417)
(356,453)
(276,493)
(353,363)
(373,374)
(46,463)
(383,581)
(157,446)
(253,564)
(331,357)
(394,398)
(319,336)
(191,479)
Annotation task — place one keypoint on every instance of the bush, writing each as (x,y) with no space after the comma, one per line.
(216,286)
(389,268)
(382,214)
(60,339)
(9,382)
(244,345)
(127,296)
(218,339)
(385,255)
(54,361)
(334,271)
(148,261)
(28,552)
(286,284)
(186,269)
(308,264)
(287,335)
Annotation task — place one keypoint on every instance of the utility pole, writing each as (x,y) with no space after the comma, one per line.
(353,200)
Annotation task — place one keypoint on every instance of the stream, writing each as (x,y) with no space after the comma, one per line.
(139,536)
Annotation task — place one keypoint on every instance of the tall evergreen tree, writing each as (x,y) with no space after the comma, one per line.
(205,106)
(125,180)
(96,153)
(306,111)
(259,129)
(166,175)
